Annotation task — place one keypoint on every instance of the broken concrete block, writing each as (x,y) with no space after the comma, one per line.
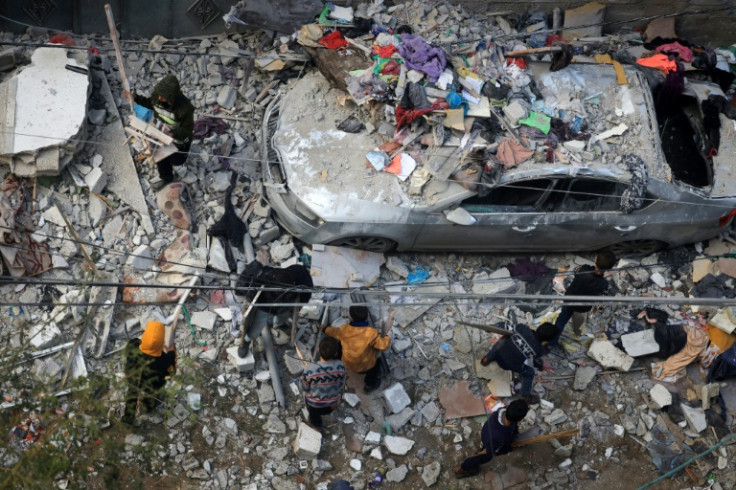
(660,395)
(96,180)
(43,335)
(351,399)
(376,453)
(140,259)
(96,210)
(695,416)
(244,364)
(707,392)
(396,398)
(574,145)
(556,417)
(498,282)
(204,319)
(372,438)
(399,446)
(293,364)
(226,97)
(400,345)
(96,116)
(430,412)
(395,265)
(399,420)
(398,474)
(308,442)
(217,259)
(53,215)
(430,473)
(515,111)
(583,377)
(607,355)
(640,343)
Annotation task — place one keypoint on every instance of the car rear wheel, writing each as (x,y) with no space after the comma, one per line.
(368,243)
(636,248)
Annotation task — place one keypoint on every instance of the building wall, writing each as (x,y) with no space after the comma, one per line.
(181,18)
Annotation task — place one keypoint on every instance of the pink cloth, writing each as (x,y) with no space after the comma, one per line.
(683,52)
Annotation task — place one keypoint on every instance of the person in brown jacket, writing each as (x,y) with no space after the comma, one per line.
(360,345)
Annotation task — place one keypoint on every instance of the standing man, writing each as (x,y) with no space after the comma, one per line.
(588,281)
(496,436)
(323,382)
(147,365)
(176,113)
(360,345)
(521,351)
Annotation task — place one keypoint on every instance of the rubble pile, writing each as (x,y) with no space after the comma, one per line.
(104,220)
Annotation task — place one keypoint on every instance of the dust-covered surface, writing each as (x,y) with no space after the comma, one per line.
(236,436)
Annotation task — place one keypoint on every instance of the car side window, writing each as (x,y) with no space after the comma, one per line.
(575,195)
(519,196)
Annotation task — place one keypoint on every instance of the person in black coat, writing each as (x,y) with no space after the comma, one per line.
(147,365)
(496,436)
(172,109)
(588,281)
(520,351)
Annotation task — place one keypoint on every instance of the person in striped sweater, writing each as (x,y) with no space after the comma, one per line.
(323,382)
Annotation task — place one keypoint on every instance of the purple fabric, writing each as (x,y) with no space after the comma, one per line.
(420,56)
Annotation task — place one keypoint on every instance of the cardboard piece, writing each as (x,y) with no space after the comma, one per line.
(459,402)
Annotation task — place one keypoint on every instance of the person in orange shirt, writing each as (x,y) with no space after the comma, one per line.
(360,346)
(148,363)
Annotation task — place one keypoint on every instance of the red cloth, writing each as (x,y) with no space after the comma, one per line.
(64,39)
(333,40)
(406,116)
(520,62)
(391,68)
(683,52)
(660,61)
(384,51)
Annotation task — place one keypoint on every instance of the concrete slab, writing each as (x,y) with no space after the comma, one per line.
(459,402)
(607,355)
(499,379)
(640,343)
(340,267)
(695,416)
(117,163)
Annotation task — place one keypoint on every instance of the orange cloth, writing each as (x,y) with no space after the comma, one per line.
(152,340)
(723,340)
(661,61)
(359,345)
(384,51)
(697,342)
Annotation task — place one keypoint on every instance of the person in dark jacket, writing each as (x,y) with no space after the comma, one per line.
(147,365)
(176,113)
(496,436)
(588,281)
(520,352)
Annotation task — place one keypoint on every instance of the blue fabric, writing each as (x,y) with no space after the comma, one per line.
(142,113)
(360,324)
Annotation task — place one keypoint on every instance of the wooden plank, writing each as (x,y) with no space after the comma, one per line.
(150,130)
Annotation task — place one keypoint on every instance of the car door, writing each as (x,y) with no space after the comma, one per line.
(508,218)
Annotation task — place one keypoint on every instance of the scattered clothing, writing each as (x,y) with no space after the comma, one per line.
(659,61)
(511,153)
(420,56)
(697,341)
(333,40)
(146,369)
(587,282)
(683,52)
(527,270)
(207,126)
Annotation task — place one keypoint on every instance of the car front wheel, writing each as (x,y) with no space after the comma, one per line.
(636,248)
(368,243)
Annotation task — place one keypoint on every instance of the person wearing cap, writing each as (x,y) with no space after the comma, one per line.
(176,113)
(147,365)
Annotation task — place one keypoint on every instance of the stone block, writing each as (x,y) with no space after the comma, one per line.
(660,395)
(398,474)
(640,343)
(53,215)
(351,399)
(695,416)
(226,97)
(430,411)
(607,355)
(43,335)
(204,319)
(583,377)
(140,259)
(244,364)
(396,398)
(96,180)
(399,446)
(498,282)
(308,442)
(515,111)
(556,417)
(399,420)
(430,473)
(372,438)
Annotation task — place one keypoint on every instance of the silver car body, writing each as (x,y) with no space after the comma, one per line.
(315,179)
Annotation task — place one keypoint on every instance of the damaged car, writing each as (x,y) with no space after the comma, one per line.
(641,179)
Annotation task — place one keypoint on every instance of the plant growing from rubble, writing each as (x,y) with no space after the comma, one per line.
(81,441)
